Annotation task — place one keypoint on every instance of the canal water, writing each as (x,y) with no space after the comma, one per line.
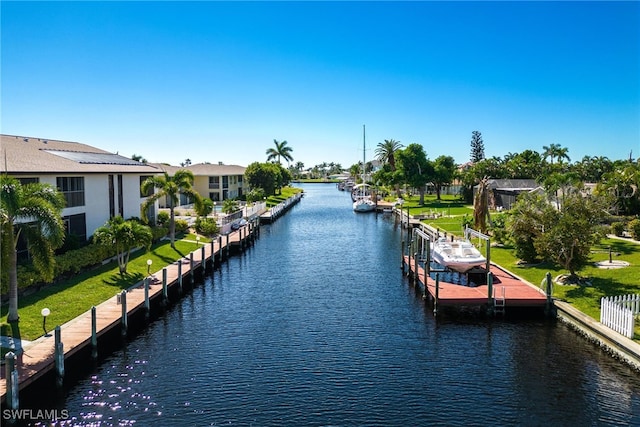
(316,326)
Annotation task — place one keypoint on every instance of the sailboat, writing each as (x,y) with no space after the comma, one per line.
(361,199)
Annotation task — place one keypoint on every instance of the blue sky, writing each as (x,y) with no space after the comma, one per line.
(219,81)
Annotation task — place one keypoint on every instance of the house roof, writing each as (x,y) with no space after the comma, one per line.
(512,184)
(28,155)
(203,169)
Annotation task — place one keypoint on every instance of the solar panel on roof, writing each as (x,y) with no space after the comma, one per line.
(95,158)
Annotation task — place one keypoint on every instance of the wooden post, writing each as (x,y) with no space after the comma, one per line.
(548,291)
(490,299)
(165,293)
(94,334)
(488,255)
(425,277)
(416,277)
(437,294)
(11,378)
(125,320)
(147,303)
(213,260)
(59,357)
(180,274)
(191,267)
(202,259)
(227,246)
(402,256)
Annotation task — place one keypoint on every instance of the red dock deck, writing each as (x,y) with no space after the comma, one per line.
(516,293)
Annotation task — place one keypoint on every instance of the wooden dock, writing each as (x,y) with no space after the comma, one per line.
(38,357)
(507,290)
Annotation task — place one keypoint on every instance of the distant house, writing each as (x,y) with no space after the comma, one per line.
(96,184)
(504,192)
(217,182)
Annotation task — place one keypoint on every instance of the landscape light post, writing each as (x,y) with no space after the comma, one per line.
(45,312)
(149,262)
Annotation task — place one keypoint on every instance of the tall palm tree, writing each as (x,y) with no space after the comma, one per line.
(385,152)
(282,150)
(170,187)
(124,236)
(555,151)
(34,211)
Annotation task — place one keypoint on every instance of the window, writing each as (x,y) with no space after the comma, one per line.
(72,187)
(215,196)
(225,181)
(76,225)
(240,180)
(214,182)
(25,181)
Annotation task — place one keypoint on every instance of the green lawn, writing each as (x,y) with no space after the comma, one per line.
(72,297)
(285,193)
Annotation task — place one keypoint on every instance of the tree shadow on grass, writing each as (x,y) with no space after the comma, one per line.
(603,286)
(123,281)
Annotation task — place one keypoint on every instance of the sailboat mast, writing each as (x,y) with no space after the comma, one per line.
(364,155)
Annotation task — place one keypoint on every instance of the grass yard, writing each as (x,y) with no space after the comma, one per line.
(72,297)
(285,193)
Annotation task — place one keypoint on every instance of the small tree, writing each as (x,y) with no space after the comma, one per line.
(170,187)
(569,233)
(123,236)
(477,146)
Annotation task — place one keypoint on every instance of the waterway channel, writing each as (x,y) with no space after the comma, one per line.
(315,325)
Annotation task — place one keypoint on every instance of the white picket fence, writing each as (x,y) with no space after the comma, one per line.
(618,313)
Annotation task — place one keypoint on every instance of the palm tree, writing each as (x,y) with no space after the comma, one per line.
(281,151)
(170,187)
(555,151)
(230,206)
(123,236)
(35,211)
(385,152)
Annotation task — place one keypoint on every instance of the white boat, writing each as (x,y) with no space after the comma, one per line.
(361,198)
(459,255)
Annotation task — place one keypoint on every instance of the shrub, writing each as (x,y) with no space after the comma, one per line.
(159,232)
(634,229)
(163,218)
(206,226)
(498,228)
(181,226)
(67,264)
(617,228)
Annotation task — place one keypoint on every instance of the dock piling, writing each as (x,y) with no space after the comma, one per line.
(59,357)
(490,299)
(125,319)
(437,291)
(94,334)
(11,378)
(165,293)
(147,303)
(191,267)
(180,275)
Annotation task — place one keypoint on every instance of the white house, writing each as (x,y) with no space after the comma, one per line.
(97,185)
